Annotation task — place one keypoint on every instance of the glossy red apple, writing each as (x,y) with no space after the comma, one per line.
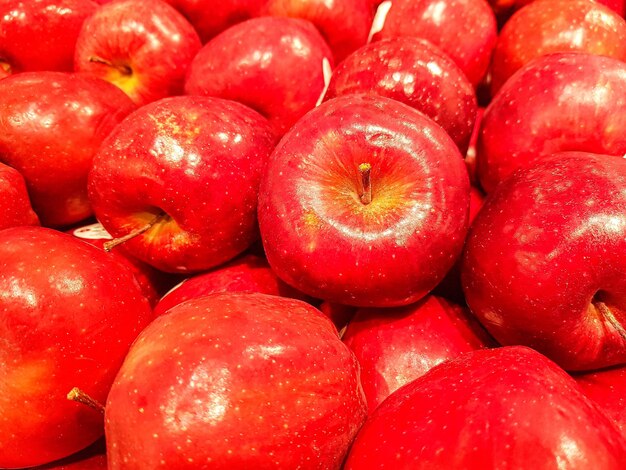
(505,8)
(273,65)
(544,259)
(496,408)
(15,208)
(209,18)
(186,171)
(68,315)
(466,30)
(415,72)
(364,203)
(559,102)
(344,24)
(396,346)
(142,46)
(249,273)
(51,124)
(548,26)
(607,388)
(264,379)
(40,34)
(153,283)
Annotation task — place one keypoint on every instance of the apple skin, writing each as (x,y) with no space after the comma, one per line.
(339,314)
(91,458)
(273,65)
(152,282)
(318,235)
(196,159)
(51,124)
(15,208)
(560,102)
(248,273)
(487,409)
(142,46)
(396,346)
(345,24)
(264,379)
(415,72)
(209,18)
(68,315)
(466,30)
(505,8)
(552,280)
(544,27)
(40,34)
(607,387)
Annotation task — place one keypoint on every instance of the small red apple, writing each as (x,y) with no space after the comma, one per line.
(248,273)
(51,124)
(186,171)
(415,72)
(495,408)
(344,24)
(548,26)
(364,202)
(559,102)
(466,30)
(15,208)
(40,34)
(396,346)
(273,65)
(235,380)
(544,260)
(142,46)
(68,314)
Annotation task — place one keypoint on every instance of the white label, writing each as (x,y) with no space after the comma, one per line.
(327,72)
(92,232)
(379,20)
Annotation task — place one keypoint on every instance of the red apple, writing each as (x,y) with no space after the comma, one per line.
(209,18)
(505,8)
(415,72)
(92,458)
(466,30)
(186,171)
(343,23)
(548,26)
(264,380)
(151,281)
(274,65)
(51,124)
(249,273)
(559,102)
(68,315)
(40,34)
(496,408)
(544,260)
(396,346)
(142,46)
(364,203)
(607,388)
(15,208)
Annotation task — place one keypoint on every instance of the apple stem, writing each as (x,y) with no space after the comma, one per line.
(108,246)
(606,313)
(365,170)
(77,395)
(5,68)
(123,69)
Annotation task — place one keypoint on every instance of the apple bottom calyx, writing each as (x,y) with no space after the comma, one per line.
(108,246)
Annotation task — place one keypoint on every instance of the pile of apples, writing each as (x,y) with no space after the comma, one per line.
(313,234)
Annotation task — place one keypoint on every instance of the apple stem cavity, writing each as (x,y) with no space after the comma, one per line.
(123,69)
(77,395)
(606,313)
(365,170)
(108,246)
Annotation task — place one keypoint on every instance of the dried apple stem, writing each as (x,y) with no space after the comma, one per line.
(77,395)
(365,170)
(123,69)
(5,68)
(606,313)
(108,246)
